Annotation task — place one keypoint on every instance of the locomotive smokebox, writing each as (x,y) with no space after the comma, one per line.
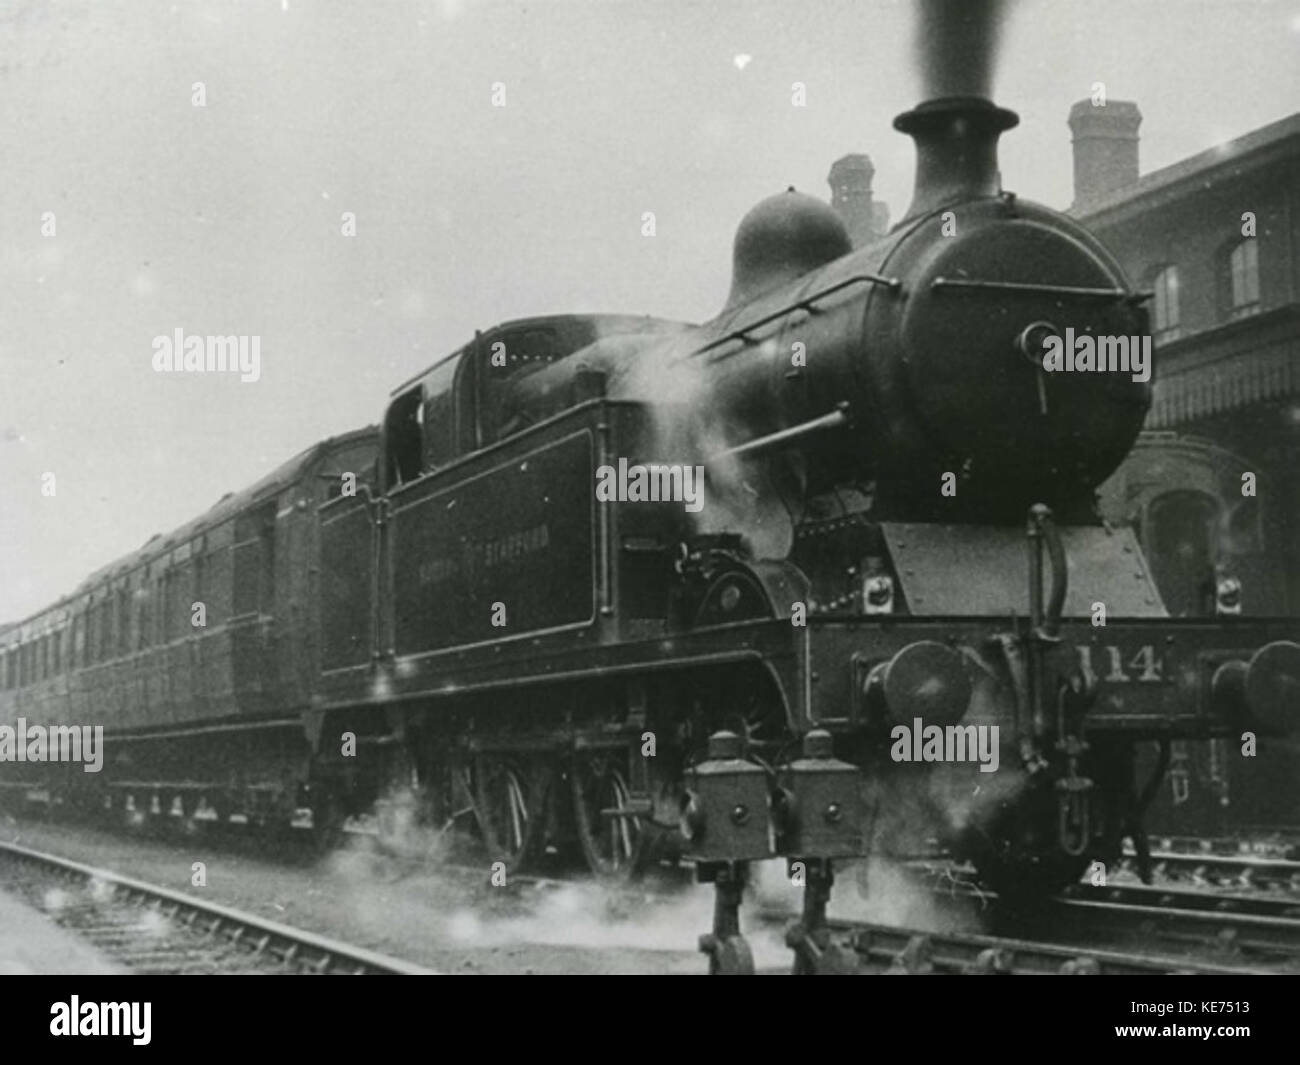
(956,150)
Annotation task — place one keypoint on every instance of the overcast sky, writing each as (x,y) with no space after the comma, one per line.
(225,219)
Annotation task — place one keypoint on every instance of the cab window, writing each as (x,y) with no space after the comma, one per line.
(404,438)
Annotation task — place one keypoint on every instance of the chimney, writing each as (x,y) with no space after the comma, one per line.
(851,197)
(1105,149)
(956,150)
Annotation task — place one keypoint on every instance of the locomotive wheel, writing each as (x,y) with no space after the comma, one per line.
(510,801)
(613,846)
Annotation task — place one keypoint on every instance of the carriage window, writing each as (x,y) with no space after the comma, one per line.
(103,647)
(177,608)
(200,584)
(253,562)
(266,583)
(123,620)
(179,605)
(142,612)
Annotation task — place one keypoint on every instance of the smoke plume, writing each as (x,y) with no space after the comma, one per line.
(956,46)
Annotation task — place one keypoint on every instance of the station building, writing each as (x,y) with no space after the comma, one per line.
(1216,239)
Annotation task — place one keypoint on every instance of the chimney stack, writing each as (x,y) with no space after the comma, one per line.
(956,150)
(851,196)
(1105,149)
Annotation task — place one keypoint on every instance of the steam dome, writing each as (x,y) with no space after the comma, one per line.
(782,238)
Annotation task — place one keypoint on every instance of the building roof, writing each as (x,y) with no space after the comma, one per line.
(1256,148)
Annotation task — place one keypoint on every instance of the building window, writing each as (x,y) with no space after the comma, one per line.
(1243,269)
(1165,311)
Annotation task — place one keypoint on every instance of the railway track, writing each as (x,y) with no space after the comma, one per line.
(1141,896)
(1222,925)
(152,929)
(1195,931)
(1247,871)
(1145,930)
(903,951)
(1262,844)
(1263,929)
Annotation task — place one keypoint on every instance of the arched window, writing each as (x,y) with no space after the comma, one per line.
(1182,547)
(1243,274)
(1165,313)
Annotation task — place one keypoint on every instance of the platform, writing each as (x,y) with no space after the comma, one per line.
(33,945)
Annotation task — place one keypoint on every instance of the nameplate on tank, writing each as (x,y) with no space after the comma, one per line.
(983,569)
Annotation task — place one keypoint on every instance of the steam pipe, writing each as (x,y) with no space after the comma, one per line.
(784,437)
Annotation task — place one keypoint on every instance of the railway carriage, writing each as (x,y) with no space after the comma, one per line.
(197,705)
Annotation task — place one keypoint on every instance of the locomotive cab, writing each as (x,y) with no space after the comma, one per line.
(470,400)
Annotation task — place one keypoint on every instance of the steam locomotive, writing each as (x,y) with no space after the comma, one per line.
(899,530)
